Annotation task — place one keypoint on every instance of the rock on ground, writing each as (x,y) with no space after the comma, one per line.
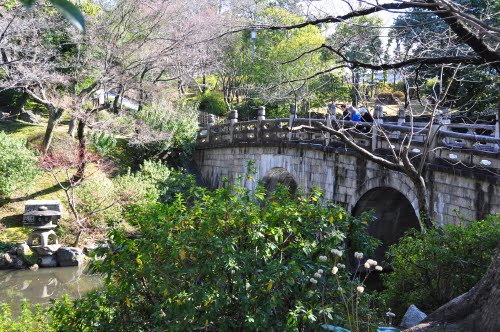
(30,117)
(412,317)
(5,261)
(26,254)
(47,261)
(69,256)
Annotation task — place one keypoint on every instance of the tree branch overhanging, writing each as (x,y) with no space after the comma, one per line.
(476,60)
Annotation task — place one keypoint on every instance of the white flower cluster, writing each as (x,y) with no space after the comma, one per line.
(335,270)
(337,252)
(317,275)
(372,263)
(358,255)
(323,258)
(360,289)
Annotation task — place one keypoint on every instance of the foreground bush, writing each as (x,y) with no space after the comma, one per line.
(31,319)
(431,269)
(18,164)
(227,260)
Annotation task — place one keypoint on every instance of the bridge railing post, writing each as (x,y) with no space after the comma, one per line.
(233,119)
(261,116)
(378,118)
(332,116)
(293,116)
(401,116)
(210,124)
(444,121)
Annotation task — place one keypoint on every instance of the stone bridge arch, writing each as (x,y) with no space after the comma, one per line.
(279,175)
(394,205)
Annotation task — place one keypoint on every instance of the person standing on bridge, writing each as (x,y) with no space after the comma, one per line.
(365,115)
(355,116)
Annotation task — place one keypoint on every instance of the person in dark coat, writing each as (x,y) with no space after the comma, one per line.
(365,115)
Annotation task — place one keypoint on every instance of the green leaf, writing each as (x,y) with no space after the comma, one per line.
(28,3)
(71,12)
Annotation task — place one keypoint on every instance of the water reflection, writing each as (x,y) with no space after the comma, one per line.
(45,284)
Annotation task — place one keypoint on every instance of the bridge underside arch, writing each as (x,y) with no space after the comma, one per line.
(279,176)
(394,215)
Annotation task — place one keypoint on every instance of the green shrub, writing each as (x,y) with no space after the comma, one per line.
(232,259)
(433,268)
(18,164)
(97,201)
(168,182)
(163,127)
(133,189)
(31,319)
(213,103)
(102,142)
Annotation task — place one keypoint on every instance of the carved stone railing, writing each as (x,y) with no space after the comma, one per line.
(468,143)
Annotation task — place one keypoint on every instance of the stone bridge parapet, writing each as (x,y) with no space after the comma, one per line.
(462,170)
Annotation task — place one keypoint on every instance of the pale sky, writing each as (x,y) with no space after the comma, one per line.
(321,8)
(340,7)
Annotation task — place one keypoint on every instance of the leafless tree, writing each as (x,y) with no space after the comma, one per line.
(471,41)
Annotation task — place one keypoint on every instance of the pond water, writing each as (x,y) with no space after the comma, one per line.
(45,284)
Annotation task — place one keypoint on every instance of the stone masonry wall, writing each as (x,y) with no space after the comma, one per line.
(345,177)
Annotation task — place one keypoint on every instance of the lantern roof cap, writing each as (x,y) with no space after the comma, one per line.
(43,211)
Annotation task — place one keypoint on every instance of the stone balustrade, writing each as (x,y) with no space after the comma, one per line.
(470,144)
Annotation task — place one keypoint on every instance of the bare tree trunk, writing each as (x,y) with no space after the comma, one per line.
(54,117)
(476,310)
(204,82)
(72,126)
(18,107)
(80,171)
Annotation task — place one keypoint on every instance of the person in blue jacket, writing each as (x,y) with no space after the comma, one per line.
(355,115)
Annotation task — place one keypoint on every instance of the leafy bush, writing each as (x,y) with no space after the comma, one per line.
(18,164)
(433,268)
(163,127)
(213,103)
(98,194)
(132,189)
(31,319)
(231,259)
(102,142)
(168,182)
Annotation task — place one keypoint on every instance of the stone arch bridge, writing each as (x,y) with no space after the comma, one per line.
(462,172)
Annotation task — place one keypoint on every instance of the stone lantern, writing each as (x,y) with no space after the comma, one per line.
(43,221)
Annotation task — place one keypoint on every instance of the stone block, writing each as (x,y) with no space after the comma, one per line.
(47,261)
(6,261)
(69,256)
(26,254)
(412,317)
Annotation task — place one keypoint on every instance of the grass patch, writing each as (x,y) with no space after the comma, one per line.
(44,187)
(14,234)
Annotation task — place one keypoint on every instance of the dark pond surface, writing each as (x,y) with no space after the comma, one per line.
(45,284)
